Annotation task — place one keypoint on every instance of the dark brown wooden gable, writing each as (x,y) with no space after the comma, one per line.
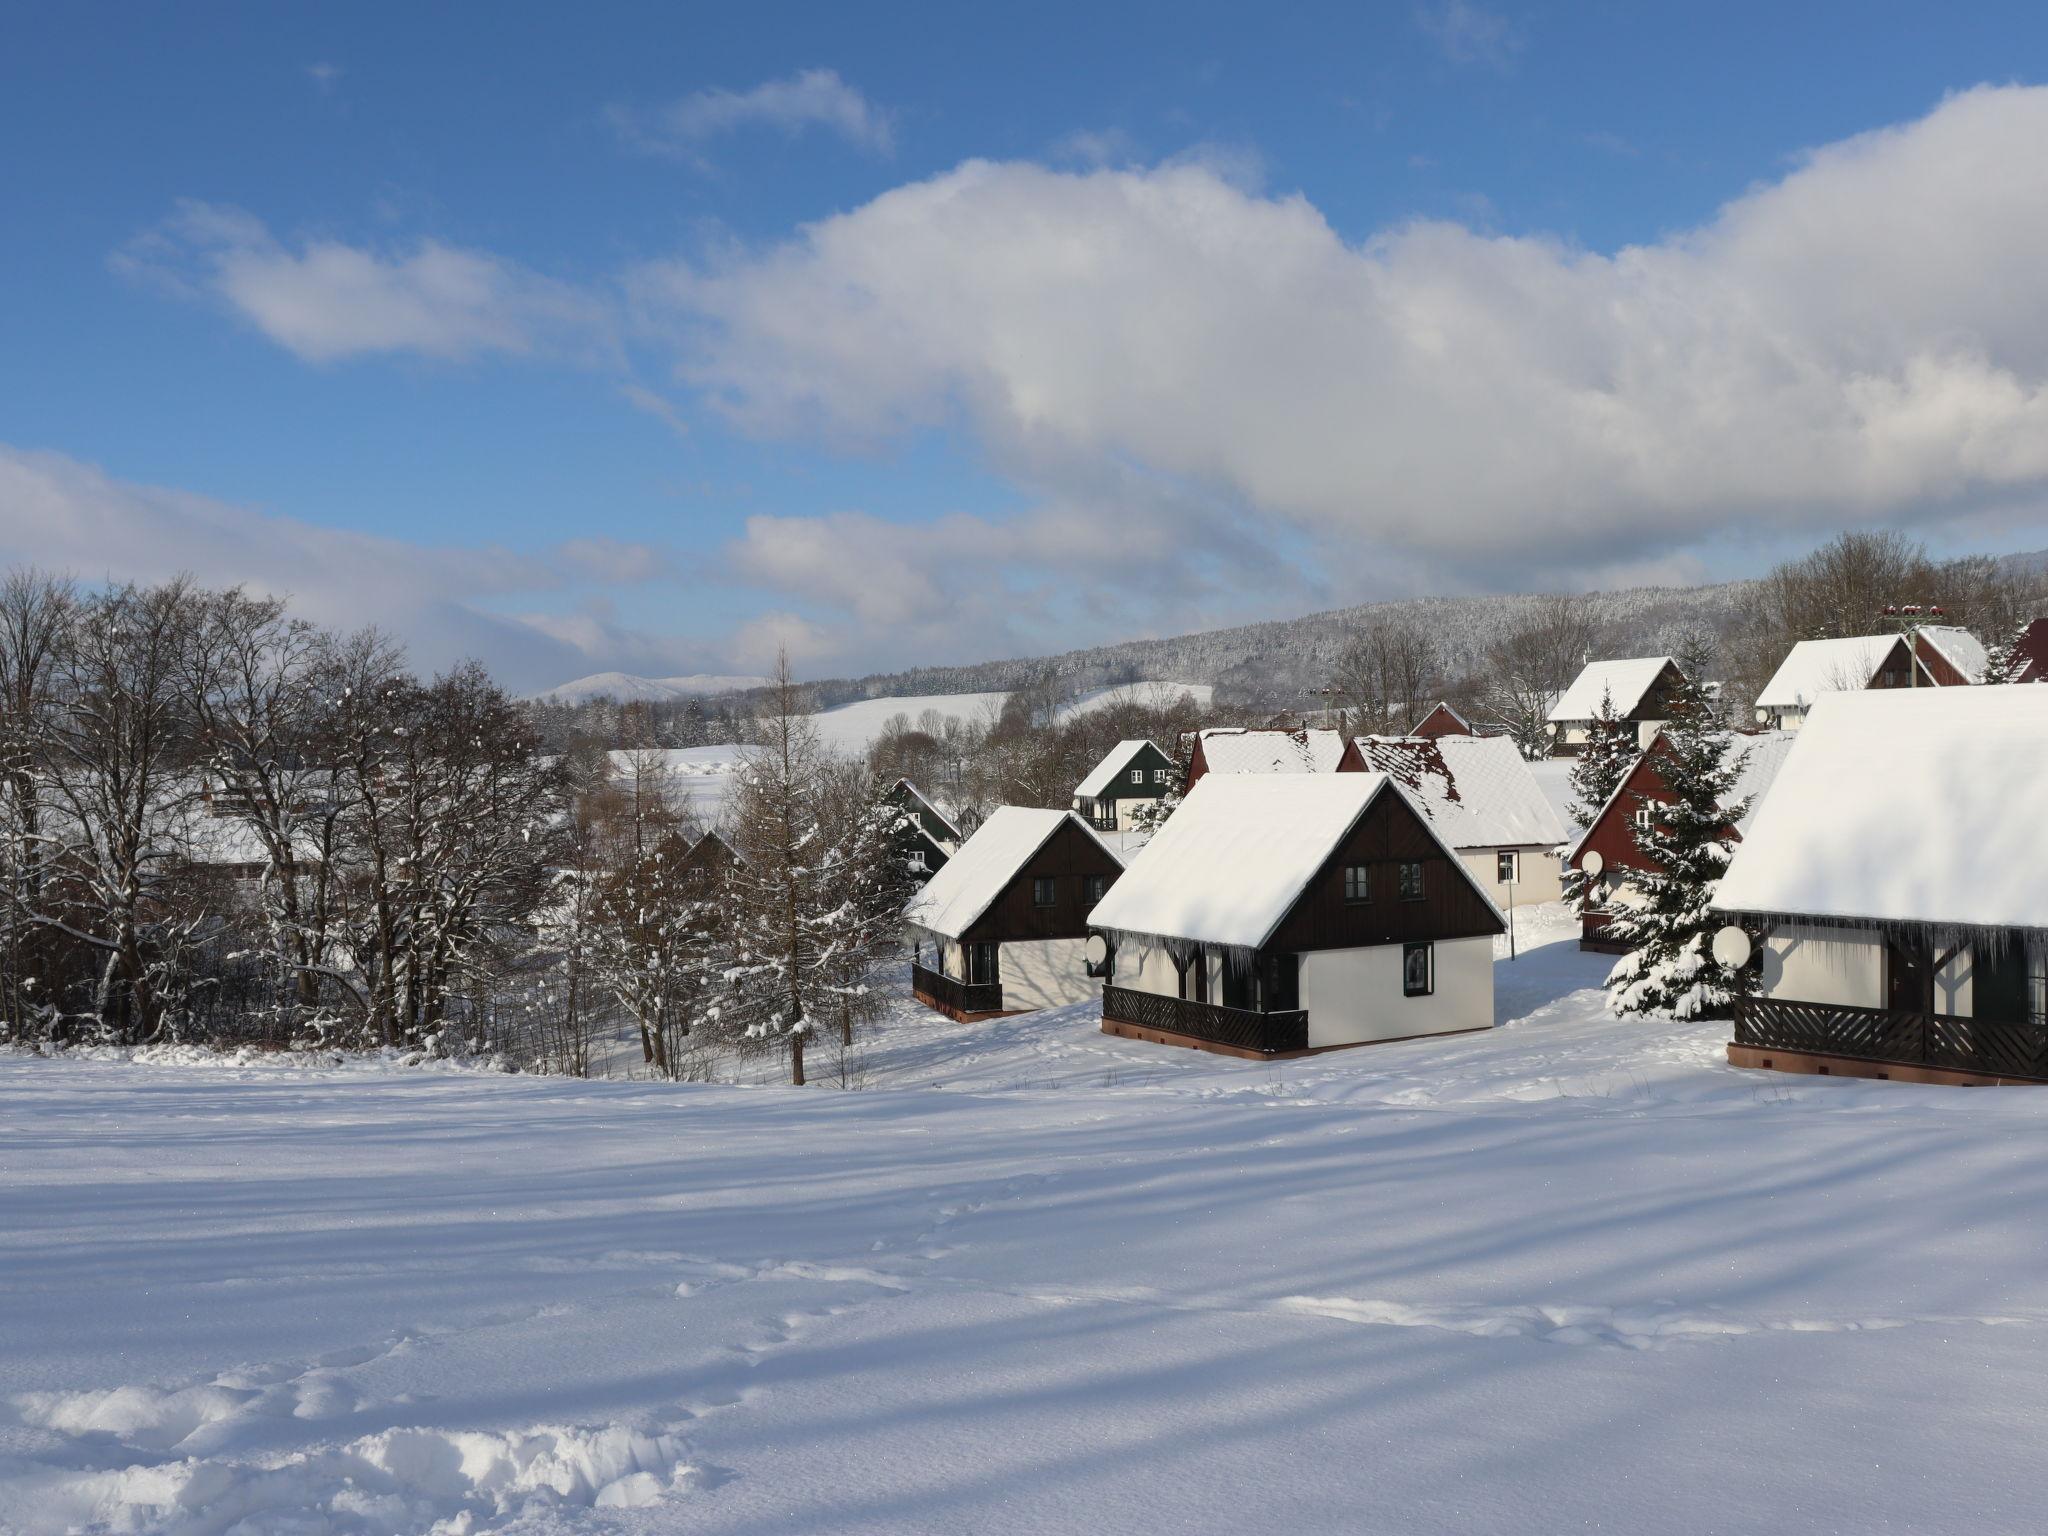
(1068,858)
(1390,833)
(1661,696)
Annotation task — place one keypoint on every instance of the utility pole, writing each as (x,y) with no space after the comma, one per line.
(1909,618)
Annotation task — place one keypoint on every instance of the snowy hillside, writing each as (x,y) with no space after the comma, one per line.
(851,727)
(628,689)
(1569,1274)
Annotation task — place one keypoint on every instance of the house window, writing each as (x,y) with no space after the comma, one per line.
(1043,892)
(1137,775)
(917,861)
(1507,868)
(1098,887)
(2037,984)
(1411,881)
(1418,970)
(1357,883)
(1158,775)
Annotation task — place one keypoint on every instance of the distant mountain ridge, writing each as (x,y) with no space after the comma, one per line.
(629,689)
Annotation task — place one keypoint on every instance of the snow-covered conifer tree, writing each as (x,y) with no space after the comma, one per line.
(1670,967)
(1608,756)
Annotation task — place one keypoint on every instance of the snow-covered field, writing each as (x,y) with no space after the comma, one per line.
(1569,1275)
(853,727)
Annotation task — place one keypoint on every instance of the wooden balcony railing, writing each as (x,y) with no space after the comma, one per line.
(1240,1027)
(1995,1047)
(951,995)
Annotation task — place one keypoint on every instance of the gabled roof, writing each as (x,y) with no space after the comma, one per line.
(1236,749)
(1452,719)
(1623,683)
(1759,758)
(1906,805)
(1476,790)
(957,896)
(1111,768)
(1814,667)
(1238,854)
(925,800)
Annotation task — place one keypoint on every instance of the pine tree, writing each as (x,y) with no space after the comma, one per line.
(1596,774)
(2002,660)
(1670,968)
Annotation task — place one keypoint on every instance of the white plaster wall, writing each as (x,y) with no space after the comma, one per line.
(940,954)
(1046,973)
(1813,963)
(1354,995)
(1126,810)
(1542,875)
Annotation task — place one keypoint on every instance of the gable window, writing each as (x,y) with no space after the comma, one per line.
(1508,867)
(1418,970)
(1097,887)
(1158,775)
(1137,775)
(1411,881)
(917,863)
(1357,883)
(1043,891)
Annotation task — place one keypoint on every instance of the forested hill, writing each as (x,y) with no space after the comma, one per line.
(1283,658)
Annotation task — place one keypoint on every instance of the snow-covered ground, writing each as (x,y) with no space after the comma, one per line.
(1571,1274)
(853,727)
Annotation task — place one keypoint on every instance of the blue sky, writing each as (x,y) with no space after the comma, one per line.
(653,337)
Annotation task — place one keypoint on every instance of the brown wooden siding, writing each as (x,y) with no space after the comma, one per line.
(1069,856)
(1390,833)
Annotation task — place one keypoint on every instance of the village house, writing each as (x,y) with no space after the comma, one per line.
(1443,721)
(1939,656)
(1482,799)
(1133,776)
(709,862)
(1241,749)
(1003,928)
(1638,693)
(1894,893)
(1272,917)
(929,838)
(2030,654)
(1607,851)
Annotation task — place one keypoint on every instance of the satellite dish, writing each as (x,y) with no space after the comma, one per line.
(1731,947)
(1592,863)
(1098,949)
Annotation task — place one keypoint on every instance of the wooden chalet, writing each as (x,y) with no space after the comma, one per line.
(2030,656)
(709,862)
(929,837)
(1133,775)
(1938,656)
(1482,800)
(1267,750)
(1273,917)
(1003,928)
(1607,852)
(1442,721)
(1639,692)
(1894,893)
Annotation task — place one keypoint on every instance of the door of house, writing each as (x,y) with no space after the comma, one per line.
(1908,976)
(983,966)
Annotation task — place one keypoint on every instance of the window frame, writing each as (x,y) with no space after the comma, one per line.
(1045,891)
(1358,891)
(1507,866)
(1137,776)
(1093,889)
(1426,949)
(1402,880)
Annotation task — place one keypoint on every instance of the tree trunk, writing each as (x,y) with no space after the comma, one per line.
(796,1060)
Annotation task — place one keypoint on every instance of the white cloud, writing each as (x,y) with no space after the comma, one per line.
(812,98)
(1865,339)
(325,300)
(325,76)
(60,514)
(1470,34)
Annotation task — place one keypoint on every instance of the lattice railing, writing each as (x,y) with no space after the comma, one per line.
(1990,1046)
(951,993)
(1240,1027)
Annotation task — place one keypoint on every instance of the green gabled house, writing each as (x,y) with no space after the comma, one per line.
(1133,775)
(930,838)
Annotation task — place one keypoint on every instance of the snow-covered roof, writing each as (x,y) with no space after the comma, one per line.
(1906,805)
(1758,759)
(1237,855)
(1476,790)
(1239,749)
(956,897)
(945,821)
(1623,683)
(1815,667)
(1106,772)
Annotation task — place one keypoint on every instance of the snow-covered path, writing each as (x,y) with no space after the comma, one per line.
(1568,1275)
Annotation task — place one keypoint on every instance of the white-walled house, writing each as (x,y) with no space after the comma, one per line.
(1895,890)
(1482,799)
(1003,928)
(1939,656)
(1133,775)
(1637,691)
(1277,915)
